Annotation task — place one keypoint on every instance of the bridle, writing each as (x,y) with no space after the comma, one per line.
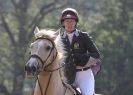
(44,68)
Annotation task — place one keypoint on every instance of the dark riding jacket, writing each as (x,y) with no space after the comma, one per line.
(81,44)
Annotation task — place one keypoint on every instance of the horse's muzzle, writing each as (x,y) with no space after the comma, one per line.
(31,68)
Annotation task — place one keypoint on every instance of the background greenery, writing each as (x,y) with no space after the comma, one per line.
(109,22)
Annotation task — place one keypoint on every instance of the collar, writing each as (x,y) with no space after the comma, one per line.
(76,33)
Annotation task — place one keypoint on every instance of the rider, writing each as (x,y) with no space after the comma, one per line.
(82,53)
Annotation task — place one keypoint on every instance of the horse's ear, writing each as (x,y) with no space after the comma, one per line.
(56,33)
(36,30)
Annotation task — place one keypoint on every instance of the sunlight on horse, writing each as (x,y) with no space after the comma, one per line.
(47,56)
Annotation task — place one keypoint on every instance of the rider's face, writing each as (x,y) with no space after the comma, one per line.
(69,24)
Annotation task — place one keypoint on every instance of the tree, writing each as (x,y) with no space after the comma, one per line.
(18,21)
(115,34)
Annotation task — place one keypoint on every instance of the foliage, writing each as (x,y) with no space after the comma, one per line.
(116,46)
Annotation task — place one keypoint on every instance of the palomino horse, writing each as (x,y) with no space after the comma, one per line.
(47,55)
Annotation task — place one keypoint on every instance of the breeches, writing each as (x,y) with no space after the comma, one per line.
(85,81)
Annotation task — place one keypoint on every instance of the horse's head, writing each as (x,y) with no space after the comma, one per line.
(43,51)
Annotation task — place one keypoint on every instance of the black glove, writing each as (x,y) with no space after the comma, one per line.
(77,57)
(81,59)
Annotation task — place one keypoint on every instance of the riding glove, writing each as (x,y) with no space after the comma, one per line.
(80,59)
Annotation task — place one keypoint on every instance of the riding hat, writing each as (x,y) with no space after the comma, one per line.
(69,13)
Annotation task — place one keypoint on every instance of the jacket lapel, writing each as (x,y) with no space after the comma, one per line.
(75,36)
(66,40)
(75,39)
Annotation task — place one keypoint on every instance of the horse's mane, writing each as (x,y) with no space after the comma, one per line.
(52,34)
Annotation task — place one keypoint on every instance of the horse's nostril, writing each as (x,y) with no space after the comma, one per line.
(34,68)
(27,68)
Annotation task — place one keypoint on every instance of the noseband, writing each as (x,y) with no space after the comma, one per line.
(44,68)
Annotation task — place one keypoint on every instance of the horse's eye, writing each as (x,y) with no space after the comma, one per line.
(48,48)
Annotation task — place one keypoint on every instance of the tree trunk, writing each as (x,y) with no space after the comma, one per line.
(18,81)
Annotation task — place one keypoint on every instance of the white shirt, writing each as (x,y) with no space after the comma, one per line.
(70,36)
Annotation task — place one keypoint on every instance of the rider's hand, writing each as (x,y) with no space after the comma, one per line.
(77,57)
(81,59)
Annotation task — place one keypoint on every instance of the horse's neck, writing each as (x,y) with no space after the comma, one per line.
(51,81)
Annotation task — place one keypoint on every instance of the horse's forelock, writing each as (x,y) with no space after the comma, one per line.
(50,33)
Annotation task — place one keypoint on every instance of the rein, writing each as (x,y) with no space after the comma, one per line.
(46,86)
(50,71)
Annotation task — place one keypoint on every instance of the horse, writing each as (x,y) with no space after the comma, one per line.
(46,63)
